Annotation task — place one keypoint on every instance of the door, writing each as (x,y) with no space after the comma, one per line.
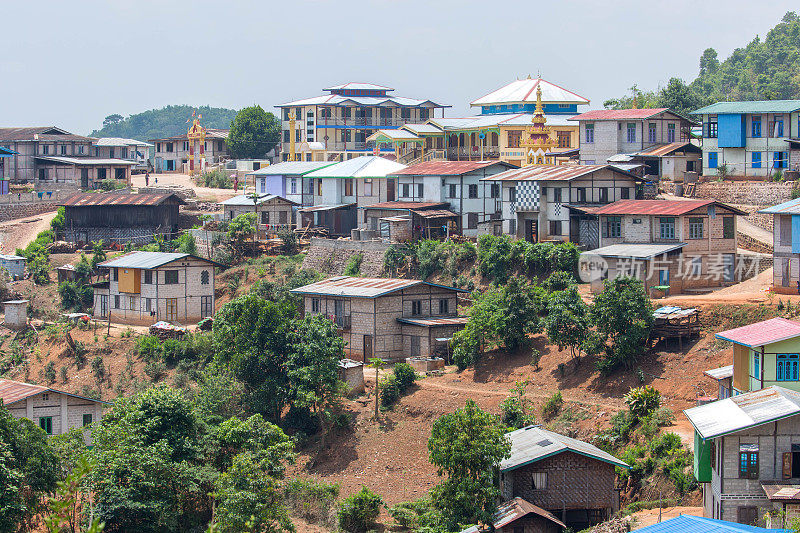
(367,348)
(84,178)
(663,277)
(728,266)
(205,306)
(103,305)
(172,309)
(390,190)
(415,343)
(532,230)
(785,271)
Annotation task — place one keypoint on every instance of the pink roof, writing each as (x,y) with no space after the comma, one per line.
(762,333)
(446,168)
(14,391)
(658,207)
(620,114)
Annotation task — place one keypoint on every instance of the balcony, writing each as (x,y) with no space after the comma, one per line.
(342,321)
(367,122)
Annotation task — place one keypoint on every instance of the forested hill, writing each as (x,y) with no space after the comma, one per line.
(767,69)
(164,122)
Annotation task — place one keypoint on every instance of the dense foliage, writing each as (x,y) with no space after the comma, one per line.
(358,512)
(254,132)
(165,122)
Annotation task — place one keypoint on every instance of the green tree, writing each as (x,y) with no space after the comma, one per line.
(678,97)
(240,229)
(98,254)
(522,303)
(623,315)
(70,499)
(467,447)
(486,320)
(567,322)
(253,133)
(165,122)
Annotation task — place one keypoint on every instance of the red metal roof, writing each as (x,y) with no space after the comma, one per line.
(14,391)
(406,205)
(446,168)
(659,207)
(666,149)
(554,173)
(362,287)
(434,322)
(93,199)
(620,114)
(761,333)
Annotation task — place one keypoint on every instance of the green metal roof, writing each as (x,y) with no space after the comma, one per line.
(758,106)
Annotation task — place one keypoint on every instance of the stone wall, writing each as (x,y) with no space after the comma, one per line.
(760,193)
(330,256)
(749,243)
(12,211)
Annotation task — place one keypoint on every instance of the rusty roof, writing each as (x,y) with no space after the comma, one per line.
(111,199)
(662,150)
(406,205)
(14,391)
(620,114)
(447,168)
(659,207)
(362,287)
(39,133)
(513,510)
(762,333)
(554,173)
(434,213)
(435,322)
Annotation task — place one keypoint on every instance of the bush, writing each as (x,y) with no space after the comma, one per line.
(405,376)
(394,258)
(216,179)
(155,370)
(75,295)
(289,238)
(564,257)
(390,391)
(98,368)
(552,406)
(173,350)
(110,184)
(559,280)
(312,500)
(50,372)
(353,265)
(642,401)
(357,513)
(148,347)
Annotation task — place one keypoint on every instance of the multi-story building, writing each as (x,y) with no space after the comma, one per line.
(344,118)
(750,138)
(52,159)
(785,246)
(552,202)
(387,318)
(647,134)
(146,287)
(5,153)
(747,456)
(131,149)
(286,179)
(171,153)
(679,244)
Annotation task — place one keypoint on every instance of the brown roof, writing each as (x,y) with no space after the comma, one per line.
(14,391)
(513,510)
(362,287)
(434,322)
(93,199)
(40,133)
(446,168)
(659,207)
(434,213)
(554,173)
(666,149)
(420,206)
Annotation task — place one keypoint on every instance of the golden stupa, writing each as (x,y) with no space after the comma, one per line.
(536,139)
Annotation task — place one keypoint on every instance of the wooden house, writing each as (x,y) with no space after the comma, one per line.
(519,516)
(405,221)
(120,217)
(272,212)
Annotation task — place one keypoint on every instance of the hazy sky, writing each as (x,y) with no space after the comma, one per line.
(72,63)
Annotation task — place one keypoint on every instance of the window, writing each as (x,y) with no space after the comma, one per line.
(564,139)
(451,191)
(45,149)
(603,195)
(755,127)
(319,187)
(538,480)
(666,226)
(557,195)
(514,138)
(747,515)
(367,187)
(710,127)
(581,192)
(132,303)
(114,274)
(293,185)
(46,423)
(170,277)
(787,367)
(712,159)
(472,190)
(204,277)
(512,226)
(265,217)
(756,365)
(80,149)
(405,190)
(416,307)
(625,193)
(148,277)
(728,227)
(588,133)
(348,187)
(315,305)
(756,157)
(494,190)
(116,301)
(206,306)
(64,150)
(777,126)
(555,227)
(170,147)
(696,266)
(512,194)
(444,306)
(87,419)
(148,305)
(651,132)
(748,461)
(613,227)
(419,190)
(472,220)
(283,217)
(45,397)
(780,159)
(631,132)
(695,228)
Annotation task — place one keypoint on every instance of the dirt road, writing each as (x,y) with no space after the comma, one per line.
(20,232)
(184,180)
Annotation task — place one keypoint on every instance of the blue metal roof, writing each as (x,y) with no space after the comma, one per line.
(7,152)
(791,207)
(699,524)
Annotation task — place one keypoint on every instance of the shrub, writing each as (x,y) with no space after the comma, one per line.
(564,257)
(357,513)
(216,179)
(559,280)
(390,391)
(289,238)
(405,376)
(64,373)
(795,193)
(50,372)
(552,406)
(75,295)
(517,409)
(642,401)
(312,500)
(173,350)
(418,515)
(394,258)
(148,347)
(155,370)
(663,416)
(98,368)
(353,265)
(110,184)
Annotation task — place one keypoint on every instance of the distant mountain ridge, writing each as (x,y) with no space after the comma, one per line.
(165,122)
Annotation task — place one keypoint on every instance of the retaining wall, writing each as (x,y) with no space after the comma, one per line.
(330,256)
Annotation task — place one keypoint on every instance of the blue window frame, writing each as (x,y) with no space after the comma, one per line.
(756,159)
(780,159)
(712,159)
(756,365)
(755,129)
(787,367)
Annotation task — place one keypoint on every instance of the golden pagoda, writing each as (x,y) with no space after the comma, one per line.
(536,139)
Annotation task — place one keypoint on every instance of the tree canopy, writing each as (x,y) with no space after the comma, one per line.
(254,132)
(165,122)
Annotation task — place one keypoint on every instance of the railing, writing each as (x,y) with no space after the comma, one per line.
(342,321)
(375,122)
(473,151)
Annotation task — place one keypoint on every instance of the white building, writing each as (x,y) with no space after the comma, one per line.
(130,149)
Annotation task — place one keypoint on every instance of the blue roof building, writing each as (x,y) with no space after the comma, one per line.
(699,524)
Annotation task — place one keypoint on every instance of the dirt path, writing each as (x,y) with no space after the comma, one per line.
(184,180)
(751,230)
(648,517)
(20,232)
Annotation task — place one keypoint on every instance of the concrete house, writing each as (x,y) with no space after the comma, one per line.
(146,287)
(541,202)
(680,244)
(785,246)
(172,152)
(750,138)
(120,217)
(387,318)
(131,149)
(571,479)
(747,455)
(56,412)
(458,183)
(286,180)
(607,132)
(272,212)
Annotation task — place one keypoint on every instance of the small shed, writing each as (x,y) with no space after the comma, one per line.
(14,265)
(66,273)
(16,314)
(352,373)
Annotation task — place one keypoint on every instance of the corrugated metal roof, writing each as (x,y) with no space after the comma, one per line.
(781,492)
(405,205)
(120,141)
(448,168)
(524,91)
(554,173)
(435,322)
(532,443)
(666,149)
(39,133)
(291,168)
(362,287)
(743,411)
(211,133)
(358,86)
(14,391)
(434,213)
(756,106)
(11,257)
(7,152)
(635,250)
(620,114)
(111,199)
(245,200)
(791,207)
(720,373)
(761,333)
(422,128)
(324,207)
(513,510)
(395,135)
(148,260)
(90,161)
(340,100)
(653,207)
(366,166)
(699,524)
(482,122)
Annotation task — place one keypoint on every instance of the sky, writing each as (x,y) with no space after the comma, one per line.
(70,64)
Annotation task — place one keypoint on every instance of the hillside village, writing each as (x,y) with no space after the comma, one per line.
(540,317)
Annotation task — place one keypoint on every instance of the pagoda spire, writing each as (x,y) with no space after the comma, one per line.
(537,140)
